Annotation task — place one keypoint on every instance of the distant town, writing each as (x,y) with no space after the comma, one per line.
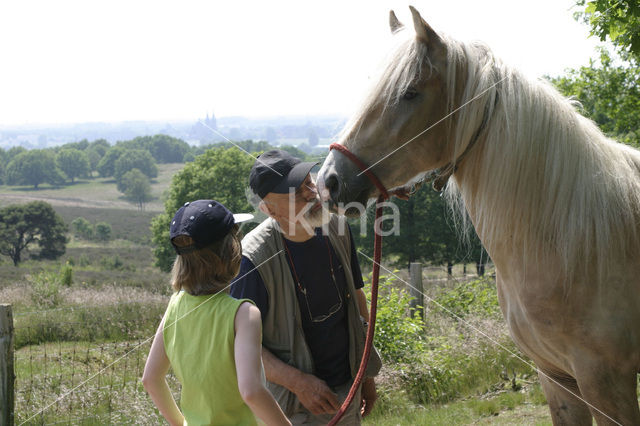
(308,133)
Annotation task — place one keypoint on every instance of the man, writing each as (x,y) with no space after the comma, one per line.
(300,268)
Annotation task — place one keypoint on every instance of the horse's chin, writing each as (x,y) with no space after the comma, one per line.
(352,206)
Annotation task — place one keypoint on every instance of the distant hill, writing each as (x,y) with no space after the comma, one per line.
(277,130)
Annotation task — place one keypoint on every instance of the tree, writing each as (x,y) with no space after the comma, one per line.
(13,151)
(294,151)
(73,162)
(80,146)
(95,151)
(106,166)
(618,20)
(103,231)
(163,148)
(608,94)
(82,228)
(426,232)
(219,174)
(136,187)
(36,223)
(100,145)
(33,168)
(135,159)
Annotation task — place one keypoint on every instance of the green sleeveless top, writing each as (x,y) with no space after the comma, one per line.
(199,341)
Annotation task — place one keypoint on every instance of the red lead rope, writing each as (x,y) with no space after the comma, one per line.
(377,254)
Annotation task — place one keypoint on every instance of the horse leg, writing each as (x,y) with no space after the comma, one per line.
(611,394)
(564,398)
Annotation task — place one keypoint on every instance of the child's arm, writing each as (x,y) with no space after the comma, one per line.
(248,357)
(153,380)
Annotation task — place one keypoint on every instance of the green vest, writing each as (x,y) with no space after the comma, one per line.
(199,336)
(282,330)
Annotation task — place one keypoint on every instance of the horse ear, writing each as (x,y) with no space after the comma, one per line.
(423,30)
(394,24)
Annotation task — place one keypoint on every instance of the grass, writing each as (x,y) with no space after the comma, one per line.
(96,323)
(508,407)
(91,193)
(131,225)
(84,383)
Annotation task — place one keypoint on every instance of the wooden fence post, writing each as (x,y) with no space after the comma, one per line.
(7,374)
(416,290)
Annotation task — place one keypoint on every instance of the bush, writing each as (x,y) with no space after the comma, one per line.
(46,290)
(82,228)
(103,231)
(477,297)
(84,260)
(114,263)
(66,275)
(399,333)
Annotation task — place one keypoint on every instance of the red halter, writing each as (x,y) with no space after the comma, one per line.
(363,167)
(377,254)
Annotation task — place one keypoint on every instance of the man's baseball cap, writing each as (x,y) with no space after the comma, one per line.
(277,171)
(205,221)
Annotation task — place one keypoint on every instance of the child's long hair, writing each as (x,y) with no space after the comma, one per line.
(210,269)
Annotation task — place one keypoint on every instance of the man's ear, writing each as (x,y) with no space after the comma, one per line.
(264,208)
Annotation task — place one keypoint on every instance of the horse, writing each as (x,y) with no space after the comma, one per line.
(554,201)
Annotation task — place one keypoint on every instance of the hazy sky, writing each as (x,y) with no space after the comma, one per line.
(74,61)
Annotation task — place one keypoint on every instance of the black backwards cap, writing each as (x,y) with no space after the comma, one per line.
(277,171)
(205,221)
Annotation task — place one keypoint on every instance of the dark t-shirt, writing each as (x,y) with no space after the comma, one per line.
(322,301)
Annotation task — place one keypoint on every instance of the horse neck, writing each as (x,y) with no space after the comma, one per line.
(545,180)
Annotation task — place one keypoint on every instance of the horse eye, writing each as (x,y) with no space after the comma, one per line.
(410,94)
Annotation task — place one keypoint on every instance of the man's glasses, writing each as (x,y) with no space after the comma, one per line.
(335,308)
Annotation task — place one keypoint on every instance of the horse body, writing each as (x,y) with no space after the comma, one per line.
(555,203)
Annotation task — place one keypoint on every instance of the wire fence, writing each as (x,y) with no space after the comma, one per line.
(88,371)
(81,382)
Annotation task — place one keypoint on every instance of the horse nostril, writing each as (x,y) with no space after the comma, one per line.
(332,185)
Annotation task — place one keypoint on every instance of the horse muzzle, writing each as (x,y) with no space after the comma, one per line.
(339,185)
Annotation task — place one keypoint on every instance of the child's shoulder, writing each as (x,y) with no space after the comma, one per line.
(248,314)
(247,307)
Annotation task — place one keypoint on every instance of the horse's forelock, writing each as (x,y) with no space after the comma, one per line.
(407,60)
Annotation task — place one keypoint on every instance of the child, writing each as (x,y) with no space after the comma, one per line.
(212,341)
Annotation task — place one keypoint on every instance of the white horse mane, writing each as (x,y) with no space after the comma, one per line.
(546,181)
(547,178)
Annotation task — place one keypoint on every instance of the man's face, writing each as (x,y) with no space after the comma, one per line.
(303,205)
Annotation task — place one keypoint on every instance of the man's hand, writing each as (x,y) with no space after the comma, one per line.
(315,395)
(369,396)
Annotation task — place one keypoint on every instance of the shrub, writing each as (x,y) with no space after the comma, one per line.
(103,231)
(115,263)
(83,260)
(66,275)
(474,297)
(399,332)
(82,228)
(46,290)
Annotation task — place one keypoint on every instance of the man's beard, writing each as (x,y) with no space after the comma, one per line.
(316,218)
